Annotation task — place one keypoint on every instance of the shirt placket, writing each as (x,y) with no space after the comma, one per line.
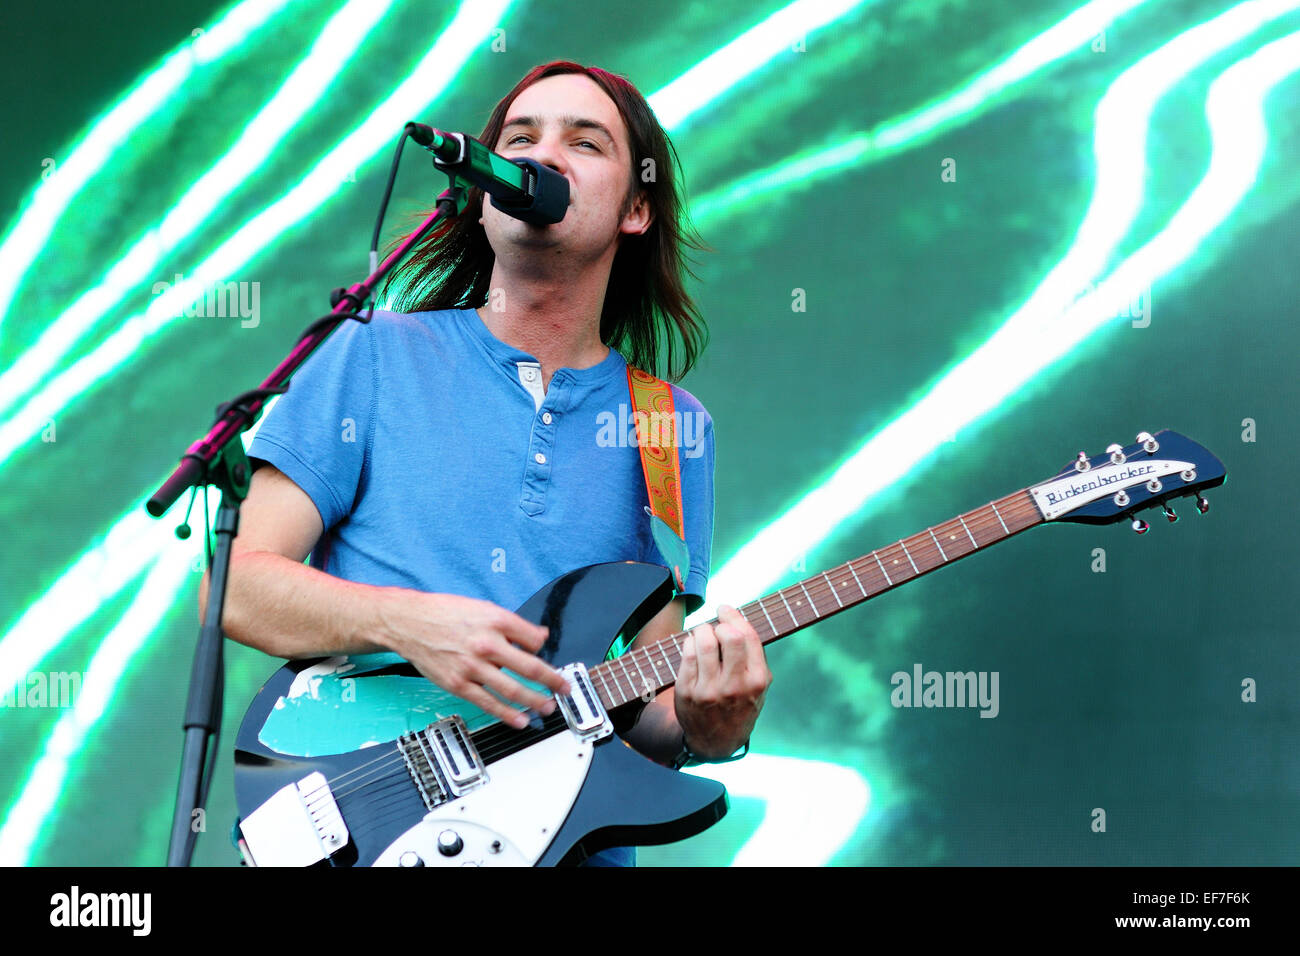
(537,465)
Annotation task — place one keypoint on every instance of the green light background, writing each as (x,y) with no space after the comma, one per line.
(1119,690)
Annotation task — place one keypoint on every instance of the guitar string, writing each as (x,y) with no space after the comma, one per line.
(364,774)
(487,737)
(390,786)
(386,808)
(492,737)
(383,817)
(391,763)
(1011,512)
(491,742)
(394,796)
(395,772)
(393,766)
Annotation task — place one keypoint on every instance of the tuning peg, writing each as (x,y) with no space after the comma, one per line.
(1082,463)
(1169,513)
(1116,453)
(1202,504)
(1149,444)
(1140,526)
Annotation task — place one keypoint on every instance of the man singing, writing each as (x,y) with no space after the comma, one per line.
(443,462)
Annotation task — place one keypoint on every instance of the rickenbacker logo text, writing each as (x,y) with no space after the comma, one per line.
(1098,480)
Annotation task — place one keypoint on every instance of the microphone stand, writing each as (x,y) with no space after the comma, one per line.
(219,459)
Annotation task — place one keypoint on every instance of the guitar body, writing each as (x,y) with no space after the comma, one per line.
(550,797)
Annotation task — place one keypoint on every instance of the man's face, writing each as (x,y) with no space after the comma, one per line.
(568,123)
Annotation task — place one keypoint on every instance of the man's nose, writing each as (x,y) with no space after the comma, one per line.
(549,153)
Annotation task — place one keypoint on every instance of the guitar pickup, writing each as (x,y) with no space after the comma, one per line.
(300,825)
(582,709)
(446,748)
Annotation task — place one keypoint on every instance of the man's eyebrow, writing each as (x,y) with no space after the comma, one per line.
(568,122)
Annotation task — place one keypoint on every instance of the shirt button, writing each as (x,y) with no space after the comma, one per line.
(546,417)
(529,374)
(540,458)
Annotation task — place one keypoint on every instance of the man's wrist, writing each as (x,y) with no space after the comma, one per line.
(686,757)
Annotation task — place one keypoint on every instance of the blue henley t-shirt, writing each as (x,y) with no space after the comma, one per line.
(438,463)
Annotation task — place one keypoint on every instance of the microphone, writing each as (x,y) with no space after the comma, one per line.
(524,189)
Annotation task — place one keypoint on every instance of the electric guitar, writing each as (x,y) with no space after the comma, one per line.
(362,761)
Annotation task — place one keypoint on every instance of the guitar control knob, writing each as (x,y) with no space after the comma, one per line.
(1140,526)
(1202,504)
(410,858)
(1169,513)
(450,843)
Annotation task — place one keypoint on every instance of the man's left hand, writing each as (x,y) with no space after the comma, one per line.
(721,684)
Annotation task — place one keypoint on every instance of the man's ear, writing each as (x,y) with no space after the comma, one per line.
(639,216)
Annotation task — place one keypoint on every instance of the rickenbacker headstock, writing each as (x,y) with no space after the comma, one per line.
(1122,481)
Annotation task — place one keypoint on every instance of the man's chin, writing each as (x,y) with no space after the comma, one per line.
(536,236)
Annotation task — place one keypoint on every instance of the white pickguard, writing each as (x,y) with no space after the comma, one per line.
(523,805)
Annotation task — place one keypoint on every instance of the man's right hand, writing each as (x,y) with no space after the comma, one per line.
(283,607)
(462,644)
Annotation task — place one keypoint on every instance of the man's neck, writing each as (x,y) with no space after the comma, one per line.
(556,321)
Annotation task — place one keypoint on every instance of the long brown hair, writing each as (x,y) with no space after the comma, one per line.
(646,304)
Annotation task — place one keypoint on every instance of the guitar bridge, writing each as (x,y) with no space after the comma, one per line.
(300,825)
(443,761)
(582,709)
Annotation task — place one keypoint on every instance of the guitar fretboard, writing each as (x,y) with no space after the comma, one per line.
(645,671)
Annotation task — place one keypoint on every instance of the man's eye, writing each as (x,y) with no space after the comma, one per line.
(522,136)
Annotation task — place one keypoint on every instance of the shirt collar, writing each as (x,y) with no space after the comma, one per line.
(509,357)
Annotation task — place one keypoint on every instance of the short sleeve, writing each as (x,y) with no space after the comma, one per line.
(318,432)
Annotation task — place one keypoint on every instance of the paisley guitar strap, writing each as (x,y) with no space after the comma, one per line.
(656,432)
